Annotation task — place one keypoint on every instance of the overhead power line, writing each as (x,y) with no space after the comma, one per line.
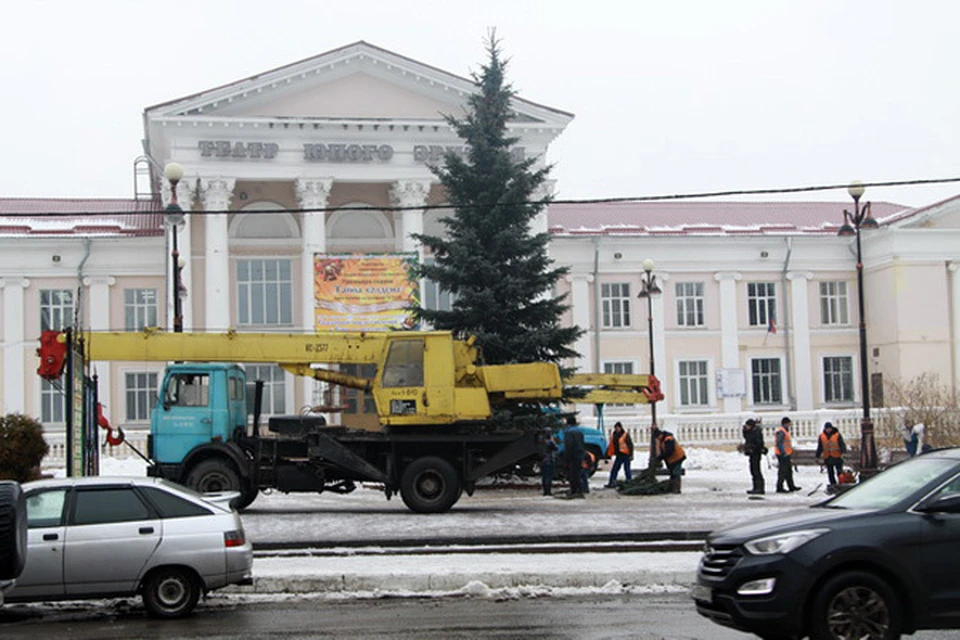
(625,199)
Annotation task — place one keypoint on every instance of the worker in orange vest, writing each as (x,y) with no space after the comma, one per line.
(830,448)
(672,455)
(784,452)
(620,449)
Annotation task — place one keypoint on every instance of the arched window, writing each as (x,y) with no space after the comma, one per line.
(247,223)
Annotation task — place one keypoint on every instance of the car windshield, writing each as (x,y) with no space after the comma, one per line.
(893,485)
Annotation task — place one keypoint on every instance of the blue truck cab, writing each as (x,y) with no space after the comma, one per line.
(198,403)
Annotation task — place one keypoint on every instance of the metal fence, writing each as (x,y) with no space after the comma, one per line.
(696,430)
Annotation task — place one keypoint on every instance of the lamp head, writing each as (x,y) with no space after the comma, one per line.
(648,265)
(856,189)
(173,172)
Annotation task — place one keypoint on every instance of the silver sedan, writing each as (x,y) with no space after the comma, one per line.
(115,537)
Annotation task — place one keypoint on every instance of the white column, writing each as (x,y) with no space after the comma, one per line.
(729,332)
(953,268)
(216,194)
(800,335)
(410,193)
(185,196)
(312,193)
(99,295)
(580,308)
(14,379)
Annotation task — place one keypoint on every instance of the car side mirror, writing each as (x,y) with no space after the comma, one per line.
(942,504)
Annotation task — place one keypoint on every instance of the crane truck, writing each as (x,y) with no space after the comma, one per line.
(446,420)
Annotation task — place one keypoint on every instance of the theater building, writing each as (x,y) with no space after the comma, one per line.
(327,159)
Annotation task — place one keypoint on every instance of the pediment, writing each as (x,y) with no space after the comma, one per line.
(358,81)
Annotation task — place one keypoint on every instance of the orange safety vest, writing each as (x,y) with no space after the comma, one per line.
(678,452)
(830,445)
(787,443)
(588,459)
(623,446)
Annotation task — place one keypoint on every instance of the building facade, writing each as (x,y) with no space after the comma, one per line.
(331,155)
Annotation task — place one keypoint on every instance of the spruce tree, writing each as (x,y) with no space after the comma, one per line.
(496,268)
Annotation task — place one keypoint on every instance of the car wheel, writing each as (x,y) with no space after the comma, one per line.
(855,604)
(430,485)
(216,476)
(13,530)
(171,593)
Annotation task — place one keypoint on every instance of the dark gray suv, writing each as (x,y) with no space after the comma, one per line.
(877,561)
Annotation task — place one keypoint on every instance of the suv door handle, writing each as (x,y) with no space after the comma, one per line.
(146,530)
(206,420)
(50,536)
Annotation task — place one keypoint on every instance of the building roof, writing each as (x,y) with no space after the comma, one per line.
(706,218)
(97,217)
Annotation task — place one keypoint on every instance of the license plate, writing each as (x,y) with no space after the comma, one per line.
(700,592)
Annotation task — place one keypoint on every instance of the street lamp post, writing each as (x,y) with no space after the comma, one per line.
(852,224)
(650,288)
(174,217)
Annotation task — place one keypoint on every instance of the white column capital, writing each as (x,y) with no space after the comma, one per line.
(727,275)
(13,282)
(313,193)
(89,281)
(217,192)
(410,193)
(953,266)
(800,275)
(573,277)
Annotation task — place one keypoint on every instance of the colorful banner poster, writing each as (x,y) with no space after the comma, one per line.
(365,292)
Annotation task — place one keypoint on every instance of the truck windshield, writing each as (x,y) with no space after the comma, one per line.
(187,390)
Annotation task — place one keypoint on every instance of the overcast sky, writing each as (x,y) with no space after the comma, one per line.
(669,96)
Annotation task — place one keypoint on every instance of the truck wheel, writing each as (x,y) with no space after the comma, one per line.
(13,530)
(170,592)
(430,485)
(216,476)
(855,604)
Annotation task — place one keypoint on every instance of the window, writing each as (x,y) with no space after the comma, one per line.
(56,309)
(52,403)
(187,390)
(838,379)
(357,400)
(141,395)
(615,302)
(404,365)
(264,292)
(693,383)
(435,298)
(101,506)
(762,303)
(139,309)
(765,377)
(171,506)
(274,388)
(833,303)
(689,304)
(45,509)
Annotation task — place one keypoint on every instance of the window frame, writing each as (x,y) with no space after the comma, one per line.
(273,389)
(757,391)
(138,311)
(834,303)
(56,315)
(685,299)
(615,305)
(761,305)
(825,390)
(256,292)
(144,398)
(52,399)
(703,383)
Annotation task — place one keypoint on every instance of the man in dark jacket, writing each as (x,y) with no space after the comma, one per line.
(830,449)
(753,448)
(673,456)
(573,449)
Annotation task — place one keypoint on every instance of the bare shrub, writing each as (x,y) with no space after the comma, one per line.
(923,399)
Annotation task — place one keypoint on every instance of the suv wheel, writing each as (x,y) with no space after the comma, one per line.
(170,593)
(855,604)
